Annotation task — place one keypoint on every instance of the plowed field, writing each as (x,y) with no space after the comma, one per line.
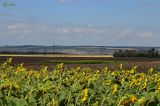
(36,62)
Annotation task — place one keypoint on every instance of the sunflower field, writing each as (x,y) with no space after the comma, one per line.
(20,86)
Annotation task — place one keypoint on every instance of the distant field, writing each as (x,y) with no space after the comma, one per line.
(92,61)
(81,62)
(54,55)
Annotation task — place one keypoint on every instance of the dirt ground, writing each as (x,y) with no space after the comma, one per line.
(38,62)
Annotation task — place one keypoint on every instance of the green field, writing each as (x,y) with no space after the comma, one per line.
(81,62)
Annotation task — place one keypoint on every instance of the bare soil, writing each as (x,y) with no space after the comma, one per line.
(38,62)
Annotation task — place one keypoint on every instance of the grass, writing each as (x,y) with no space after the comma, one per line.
(81,62)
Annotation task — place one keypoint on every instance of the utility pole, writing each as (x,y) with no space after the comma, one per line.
(53,48)
(45,51)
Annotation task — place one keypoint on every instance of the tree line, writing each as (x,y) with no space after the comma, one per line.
(134,53)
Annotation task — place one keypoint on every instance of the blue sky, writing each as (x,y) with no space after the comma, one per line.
(80,22)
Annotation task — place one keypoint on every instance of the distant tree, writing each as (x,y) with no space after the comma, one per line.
(133,53)
(151,53)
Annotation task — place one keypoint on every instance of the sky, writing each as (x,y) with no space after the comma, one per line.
(80,22)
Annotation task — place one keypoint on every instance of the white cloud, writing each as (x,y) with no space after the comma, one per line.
(43,34)
(58,29)
(125,33)
(148,34)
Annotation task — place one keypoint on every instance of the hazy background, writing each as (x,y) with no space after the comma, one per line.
(80,22)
